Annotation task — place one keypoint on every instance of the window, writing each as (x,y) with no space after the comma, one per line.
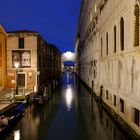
(106,43)
(21,43)
(26,59)
(114,39)
(122,105)
(136,13)
(136,116)
(101,46)
(122,34)
(107,94)
(101,91)
(22,57)
(114,100)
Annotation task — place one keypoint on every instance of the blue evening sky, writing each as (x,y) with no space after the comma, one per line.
(55,20)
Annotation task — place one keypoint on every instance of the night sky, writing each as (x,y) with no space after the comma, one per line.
(55,20)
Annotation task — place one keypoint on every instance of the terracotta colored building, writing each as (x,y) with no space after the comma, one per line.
(2,58)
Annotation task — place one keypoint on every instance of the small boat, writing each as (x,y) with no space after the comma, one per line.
(9,118)
(40,99)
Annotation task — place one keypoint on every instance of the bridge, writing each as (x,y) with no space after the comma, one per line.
(67,57)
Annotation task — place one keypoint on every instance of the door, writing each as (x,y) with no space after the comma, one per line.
(21,80)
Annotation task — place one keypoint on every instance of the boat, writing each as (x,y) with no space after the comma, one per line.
(11,117)
(41,98)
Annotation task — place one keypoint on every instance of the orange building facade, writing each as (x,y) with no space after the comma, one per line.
(2,58)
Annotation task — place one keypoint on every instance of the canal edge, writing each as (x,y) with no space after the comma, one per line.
(118,120)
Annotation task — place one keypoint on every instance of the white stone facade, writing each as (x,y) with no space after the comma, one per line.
(112,71)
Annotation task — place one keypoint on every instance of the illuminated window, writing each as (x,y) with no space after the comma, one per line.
(136,13)
(114,39)
(122,33)
(95,8)
(90,16)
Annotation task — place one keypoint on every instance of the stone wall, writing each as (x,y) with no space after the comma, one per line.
(116,72)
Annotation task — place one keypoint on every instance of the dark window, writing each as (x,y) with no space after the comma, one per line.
(136,116)
(21,43)
(114,101)
(94,73)
(136,13)
(122,33)
(101,91)
(101,46)
(114,38)
(106,43)
(122,105)
(107,94)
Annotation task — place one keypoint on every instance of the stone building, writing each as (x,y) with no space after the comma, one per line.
(56,62)
(35,57)
(2,58)
(108,54)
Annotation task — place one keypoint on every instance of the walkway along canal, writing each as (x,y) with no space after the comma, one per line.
(71,114)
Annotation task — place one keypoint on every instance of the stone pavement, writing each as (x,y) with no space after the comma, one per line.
(6,94)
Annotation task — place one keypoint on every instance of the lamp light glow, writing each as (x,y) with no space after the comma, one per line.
(16,65)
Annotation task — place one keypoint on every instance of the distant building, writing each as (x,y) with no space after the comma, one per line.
(2,57)
(108,54)
(36,60)
(56,62)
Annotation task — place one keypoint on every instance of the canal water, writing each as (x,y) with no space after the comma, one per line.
(71,114)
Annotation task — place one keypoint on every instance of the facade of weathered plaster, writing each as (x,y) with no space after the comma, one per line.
(108,54)
(39,62)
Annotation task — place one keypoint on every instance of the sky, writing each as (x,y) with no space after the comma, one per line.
(55,20)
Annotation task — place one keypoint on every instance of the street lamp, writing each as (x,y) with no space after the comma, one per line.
(16,66)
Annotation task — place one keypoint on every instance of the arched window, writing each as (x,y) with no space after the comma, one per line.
(136,13)
(107,43)
(26,58)
(122,33)
(114,38)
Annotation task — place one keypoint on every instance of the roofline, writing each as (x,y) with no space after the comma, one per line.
(3,30)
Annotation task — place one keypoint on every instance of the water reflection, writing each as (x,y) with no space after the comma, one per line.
(71,114)
(69,97)
(67,77)
(17,135)
(96,120)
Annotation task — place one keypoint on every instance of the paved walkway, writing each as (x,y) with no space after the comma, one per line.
(6,94)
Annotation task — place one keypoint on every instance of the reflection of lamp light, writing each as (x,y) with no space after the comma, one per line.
(16,66)
(69,98)
(17,135)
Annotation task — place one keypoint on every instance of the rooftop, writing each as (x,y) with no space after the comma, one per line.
(22,31)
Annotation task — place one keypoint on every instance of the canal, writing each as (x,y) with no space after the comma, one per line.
(71,114)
